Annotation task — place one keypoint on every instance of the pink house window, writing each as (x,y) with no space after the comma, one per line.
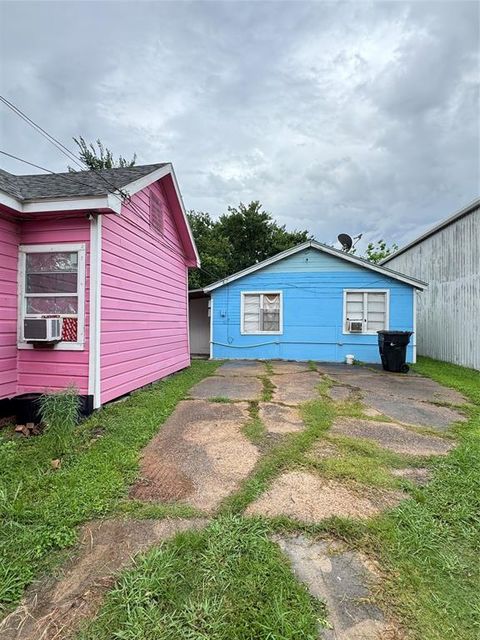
(52,283)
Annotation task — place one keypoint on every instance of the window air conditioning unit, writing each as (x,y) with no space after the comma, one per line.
(47,330)
(355,326)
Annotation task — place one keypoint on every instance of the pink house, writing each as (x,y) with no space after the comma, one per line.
(108,252)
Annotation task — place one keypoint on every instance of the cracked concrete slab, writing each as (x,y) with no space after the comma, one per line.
(296,387)
(54,608)
(345,581)
(280,367)
(400,386)
(392,436)
(414,412)
(340,393)
(279,418)
(242,368)
(309,498)
(231,387)
(199,456)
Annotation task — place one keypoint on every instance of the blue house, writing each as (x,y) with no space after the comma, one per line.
(311,302)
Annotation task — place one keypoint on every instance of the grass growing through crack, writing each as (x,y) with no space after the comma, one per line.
(254,429)
(227,582)
(40,508)
(318,416)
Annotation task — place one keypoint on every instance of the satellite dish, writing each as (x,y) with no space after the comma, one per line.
(346,241)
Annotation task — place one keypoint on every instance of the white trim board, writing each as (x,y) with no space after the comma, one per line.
(325,249)
(94,371)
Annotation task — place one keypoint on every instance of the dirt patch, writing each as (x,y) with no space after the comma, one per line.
(323,449)
(199,457)
(309,498)
(420,476)
(296,387)
(344,580)
(161,483)
(281,367)
(231,387)
(242,368)
(391,436)
(278,418)
(55,608)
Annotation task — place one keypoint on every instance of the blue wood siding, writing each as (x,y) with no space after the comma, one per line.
(312,284)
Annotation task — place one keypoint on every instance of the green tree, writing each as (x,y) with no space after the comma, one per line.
(377,251)
(212,247)
(101,157)
(238,239)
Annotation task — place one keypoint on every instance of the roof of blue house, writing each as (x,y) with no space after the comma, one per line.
(391,273)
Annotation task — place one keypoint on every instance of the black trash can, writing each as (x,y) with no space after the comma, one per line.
(393,350)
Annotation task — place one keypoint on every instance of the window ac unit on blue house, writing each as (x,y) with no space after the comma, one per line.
(42,329)
(355,326)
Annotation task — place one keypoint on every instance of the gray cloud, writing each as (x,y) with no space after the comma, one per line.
(337,116)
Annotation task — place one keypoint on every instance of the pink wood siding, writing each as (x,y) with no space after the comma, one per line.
(144,328)
(41,369)
(9,241)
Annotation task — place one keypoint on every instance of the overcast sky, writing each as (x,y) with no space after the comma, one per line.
(338,117)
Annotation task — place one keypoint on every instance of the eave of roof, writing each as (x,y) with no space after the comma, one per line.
(414,282)
(475,204)
(92,192)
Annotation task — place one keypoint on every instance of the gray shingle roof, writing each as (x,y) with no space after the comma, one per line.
(72,185)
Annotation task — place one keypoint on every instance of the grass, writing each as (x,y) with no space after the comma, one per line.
(40,508)
(430,545)
(227,582)
(268,388)
(254,429)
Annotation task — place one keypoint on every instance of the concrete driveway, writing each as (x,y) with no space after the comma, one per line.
(202,454)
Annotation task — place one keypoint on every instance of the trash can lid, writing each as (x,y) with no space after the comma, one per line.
(386,332)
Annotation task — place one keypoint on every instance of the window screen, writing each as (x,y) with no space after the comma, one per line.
(369,307)
(261,312)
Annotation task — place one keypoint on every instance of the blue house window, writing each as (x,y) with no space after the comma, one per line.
(261,313)
(365,310)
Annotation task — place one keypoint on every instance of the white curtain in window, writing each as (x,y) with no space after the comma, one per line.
(271,312)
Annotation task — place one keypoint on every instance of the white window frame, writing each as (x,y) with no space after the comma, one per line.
(260,333)
(364,320)
(79,345)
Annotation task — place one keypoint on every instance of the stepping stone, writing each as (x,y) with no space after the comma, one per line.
(414,412)
(242,368)
(199,456)
(278,418)
(392,436)
(55,607)
(296,388)
(344,581)
(280,367)
(339,393)
(231,387)
(310,498)
(417,475)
